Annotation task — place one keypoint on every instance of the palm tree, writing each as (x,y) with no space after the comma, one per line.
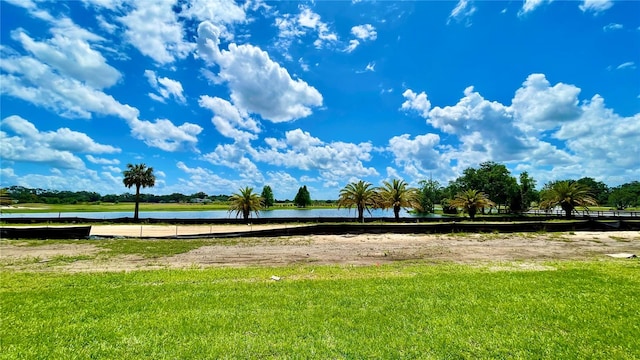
(244,202)
(138,175)
(470,201)
(397,195)
(568,195)
(362,195)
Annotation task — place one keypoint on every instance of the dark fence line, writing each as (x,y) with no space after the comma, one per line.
(432,228)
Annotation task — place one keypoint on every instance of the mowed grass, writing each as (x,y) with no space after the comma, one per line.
(580,310)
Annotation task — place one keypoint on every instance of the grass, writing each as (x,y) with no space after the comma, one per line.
(582,310)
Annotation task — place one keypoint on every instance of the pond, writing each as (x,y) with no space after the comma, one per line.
(218,214)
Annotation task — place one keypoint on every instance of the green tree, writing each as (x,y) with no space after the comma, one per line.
(470,201)
(397,195)
(625,195)
(494,180)
(138,175)
(5,199)
(599,190)
(430,194)
(267,196)
(362,195)
(568,195)
(244,202)
(303,198)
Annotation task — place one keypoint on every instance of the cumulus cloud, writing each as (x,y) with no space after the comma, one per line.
(595,6)
(153,28)
(257,83)
(56,148)
(165,87)
(545,129)
(229,119)
(417,102)
(462,12)
(417,156)
(364,32)
(164,135)
(334,161)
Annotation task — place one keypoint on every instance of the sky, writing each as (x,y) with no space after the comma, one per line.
(217,95)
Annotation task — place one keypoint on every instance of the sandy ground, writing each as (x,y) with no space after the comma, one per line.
(170,230)
(525,250)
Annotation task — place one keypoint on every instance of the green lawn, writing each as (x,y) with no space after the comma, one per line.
(580,310)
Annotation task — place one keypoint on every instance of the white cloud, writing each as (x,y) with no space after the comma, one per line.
(164,135)
(69,52)
(595,6)
(364,32)
(102,161)
(627,65)
(153,28)
(530,5)
(417,102)
(257,83)
(234,156)
(462,12)
(229,118)
(353,44)
(523,133)
(165,87)
(417,156)
(334,161)
(541,105)
(56,148)
(612,27)
(306,21)
(202,179)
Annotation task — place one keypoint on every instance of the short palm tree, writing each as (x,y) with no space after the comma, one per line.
(138,175)
(397,195)
(567,195)
(362,195)
(244,202)
(470,201)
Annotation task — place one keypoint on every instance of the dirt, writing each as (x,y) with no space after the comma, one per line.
(527,251)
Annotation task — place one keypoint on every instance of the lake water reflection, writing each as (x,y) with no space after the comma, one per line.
(215,214)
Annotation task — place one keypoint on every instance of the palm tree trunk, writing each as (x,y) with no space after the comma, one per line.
(135,213)
(360,214)
(396,213)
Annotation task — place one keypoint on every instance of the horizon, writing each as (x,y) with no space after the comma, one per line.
(221,95)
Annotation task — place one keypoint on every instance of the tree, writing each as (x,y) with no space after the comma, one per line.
(244,202)
(397,195)
(470,201)
(599,190)
(267,196)
(303,198)
(528,192)
(362,195)
(625,195)
(138,175)
(430,193)
(493,179)
(568,195)
(5,200)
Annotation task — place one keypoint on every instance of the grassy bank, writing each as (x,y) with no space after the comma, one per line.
(577,310)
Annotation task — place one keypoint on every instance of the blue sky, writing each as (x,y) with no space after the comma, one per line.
(216,95)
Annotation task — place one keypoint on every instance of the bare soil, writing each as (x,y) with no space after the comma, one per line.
(528,251)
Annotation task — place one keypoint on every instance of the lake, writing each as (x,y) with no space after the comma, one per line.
(217,214)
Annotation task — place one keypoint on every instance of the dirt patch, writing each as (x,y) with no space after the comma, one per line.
(526,251)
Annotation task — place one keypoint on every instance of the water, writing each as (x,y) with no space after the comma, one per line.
(217,214)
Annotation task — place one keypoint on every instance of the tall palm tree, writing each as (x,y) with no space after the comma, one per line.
(138,175)
(568,195)
(362,195)
(397,195)
(244,202)
(470,201)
